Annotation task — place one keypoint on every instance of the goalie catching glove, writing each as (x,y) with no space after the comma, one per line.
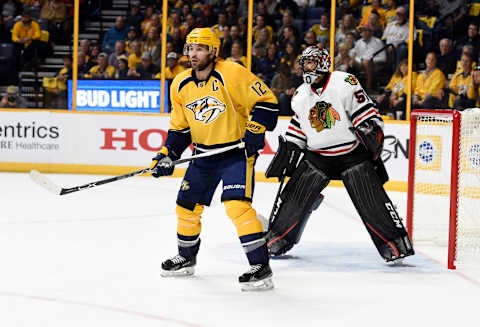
(162,164)
(370,133)
(285,160)
(254,138)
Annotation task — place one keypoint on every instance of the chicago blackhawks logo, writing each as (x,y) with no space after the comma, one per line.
(322,116)
(206,109)
(351,79)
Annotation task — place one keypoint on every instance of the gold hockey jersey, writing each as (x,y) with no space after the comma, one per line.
(215,111)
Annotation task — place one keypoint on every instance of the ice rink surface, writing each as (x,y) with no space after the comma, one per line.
(93,258)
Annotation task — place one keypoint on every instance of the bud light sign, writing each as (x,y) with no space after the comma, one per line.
(141,96)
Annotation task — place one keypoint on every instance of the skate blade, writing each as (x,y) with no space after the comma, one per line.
(183,272)
(257,286)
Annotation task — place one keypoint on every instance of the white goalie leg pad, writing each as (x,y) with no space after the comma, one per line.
(182,272)
(258,285)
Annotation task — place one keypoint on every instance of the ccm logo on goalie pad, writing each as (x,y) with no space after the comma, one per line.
(394,215)
(206,109)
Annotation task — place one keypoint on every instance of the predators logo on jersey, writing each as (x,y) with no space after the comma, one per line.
(206,109)
(322,116)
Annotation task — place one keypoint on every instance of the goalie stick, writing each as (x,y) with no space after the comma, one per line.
(46,183)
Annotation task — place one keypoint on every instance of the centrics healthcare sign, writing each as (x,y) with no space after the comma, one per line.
(113,141)
(118,95)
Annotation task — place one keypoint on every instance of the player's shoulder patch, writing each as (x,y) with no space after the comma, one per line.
(351,80)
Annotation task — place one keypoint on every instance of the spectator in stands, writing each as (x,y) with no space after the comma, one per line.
(26,37)
(375,6)
(475,90)
(85,48)
(131,36)
(221,24)
(397,34)
(150,42)
(237,36)
(147,70)
(393,101)
(175,23)
(472,38)
(469,50)
(186,10)
(374,22)
(460,94)
(135,57)
(287,20)
(428,91)
(55,12)
(269,19)
(350,41)
(290,55)
(145,25)
(268,67)
(347,25)
(289,36)
(209,18)
(343,61)
(363,53)
(93,55)
(237,54)
(12,99)
(226,43)
(173,67)
(446,61)
(117,32)
(103,70)
(294,81)
(242,27)
(309,40)
(56,98)
(260,26)
(83,66)
(177,40)
(279,85)
(119,51)
(190,23)
(322,29)
(10,10)
(135,17)
(232,14)
(391,12)
(121,72)
(263,38)
(258,57)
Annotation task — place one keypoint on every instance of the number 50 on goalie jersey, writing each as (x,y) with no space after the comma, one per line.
(323,118)
(215,111)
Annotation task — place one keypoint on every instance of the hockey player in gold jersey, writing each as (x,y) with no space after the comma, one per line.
(217,104)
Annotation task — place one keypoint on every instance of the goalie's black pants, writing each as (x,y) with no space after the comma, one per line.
(364,180)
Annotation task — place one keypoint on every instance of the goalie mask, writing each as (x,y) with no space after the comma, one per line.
(204,36)
(322,65)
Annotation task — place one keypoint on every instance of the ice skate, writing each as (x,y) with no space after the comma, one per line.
(258,278)
(178,266)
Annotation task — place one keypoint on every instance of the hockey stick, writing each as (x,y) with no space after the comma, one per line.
(275,202)
(46,183)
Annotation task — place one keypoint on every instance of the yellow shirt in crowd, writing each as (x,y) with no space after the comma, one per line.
(430,84)
(21,31)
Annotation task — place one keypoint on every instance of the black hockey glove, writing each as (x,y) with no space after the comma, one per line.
(162,164)
(254,138)
(286,159)
(371,135)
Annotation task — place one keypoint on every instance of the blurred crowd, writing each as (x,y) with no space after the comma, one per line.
(370,41)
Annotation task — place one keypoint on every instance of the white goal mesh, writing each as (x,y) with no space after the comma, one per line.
(430,195)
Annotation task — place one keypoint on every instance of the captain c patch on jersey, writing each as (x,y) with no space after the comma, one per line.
(206,109)
(322,116)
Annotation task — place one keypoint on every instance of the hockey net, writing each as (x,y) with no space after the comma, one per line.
(443,207)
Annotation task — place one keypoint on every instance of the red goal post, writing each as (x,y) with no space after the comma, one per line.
(443,205)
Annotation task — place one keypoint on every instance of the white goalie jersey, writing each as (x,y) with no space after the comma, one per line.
(323,118)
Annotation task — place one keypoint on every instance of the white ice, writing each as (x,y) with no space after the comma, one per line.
(92,258)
